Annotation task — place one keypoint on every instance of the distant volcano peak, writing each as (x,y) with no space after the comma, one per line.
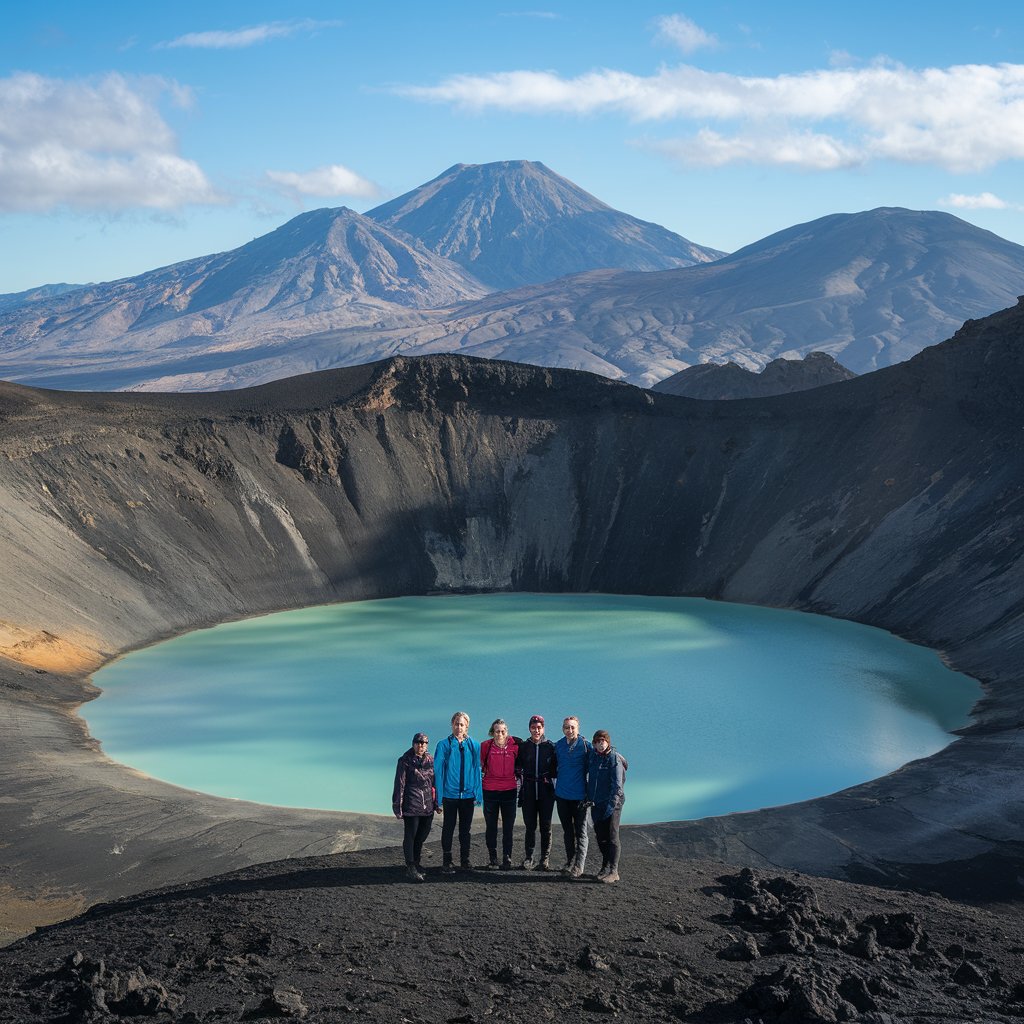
(516,222)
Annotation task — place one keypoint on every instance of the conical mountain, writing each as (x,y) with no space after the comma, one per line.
(517,222)
(322,270)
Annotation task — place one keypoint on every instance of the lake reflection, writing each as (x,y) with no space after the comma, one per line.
(717,707)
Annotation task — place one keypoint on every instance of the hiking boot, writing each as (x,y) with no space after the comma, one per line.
(527,864)
(603,871)
(612,876)
(506,864)
(576,870)
(568,867)
(412,874)
(544,865)
(447,868)
(467,866)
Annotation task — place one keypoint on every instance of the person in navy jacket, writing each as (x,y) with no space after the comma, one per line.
(606,794)
(458,780)
(572,753)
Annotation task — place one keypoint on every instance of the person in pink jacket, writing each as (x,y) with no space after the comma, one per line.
(501,790)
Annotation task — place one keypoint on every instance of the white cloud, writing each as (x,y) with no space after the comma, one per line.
(683,33)
(333,180)
(805,150)
(842,59)
(981,201)
(97,144)
(963,118)
(236,39)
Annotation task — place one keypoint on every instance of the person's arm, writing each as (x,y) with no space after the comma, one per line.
(439,770)
(617,792)
(398,795)
(478,781)
(553,763)
(434,805)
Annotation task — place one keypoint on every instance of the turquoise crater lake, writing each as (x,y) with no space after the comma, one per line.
(718,707)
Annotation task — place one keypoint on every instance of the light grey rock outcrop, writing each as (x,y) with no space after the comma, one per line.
(718,381)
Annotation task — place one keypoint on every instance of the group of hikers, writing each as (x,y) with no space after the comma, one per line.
(504,773)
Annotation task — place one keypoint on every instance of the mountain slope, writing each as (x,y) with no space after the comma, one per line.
(324,269)
(46,291)
(718,381)
(870,289)
(516,222)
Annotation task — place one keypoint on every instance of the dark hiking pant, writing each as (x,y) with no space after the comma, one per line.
(538,801)
(503,803)
(417,828)
(607,833)
(462,810)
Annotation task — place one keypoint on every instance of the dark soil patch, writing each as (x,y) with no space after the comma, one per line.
(347,937)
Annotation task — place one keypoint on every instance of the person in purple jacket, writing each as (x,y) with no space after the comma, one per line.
(414,802)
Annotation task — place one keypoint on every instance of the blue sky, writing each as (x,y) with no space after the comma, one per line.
(134,136)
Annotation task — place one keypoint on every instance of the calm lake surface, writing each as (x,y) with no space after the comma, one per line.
(718,707)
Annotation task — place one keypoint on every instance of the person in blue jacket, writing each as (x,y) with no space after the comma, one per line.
(459,789)
(606,794)
(572,753)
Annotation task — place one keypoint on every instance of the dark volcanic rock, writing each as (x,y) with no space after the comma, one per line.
(346,937)
(780,377)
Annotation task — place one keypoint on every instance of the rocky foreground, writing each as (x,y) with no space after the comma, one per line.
(347,937)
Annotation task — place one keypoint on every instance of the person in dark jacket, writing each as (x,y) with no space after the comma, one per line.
(458,779)
(538,767)
(606,793)
(573,754)
(414,802)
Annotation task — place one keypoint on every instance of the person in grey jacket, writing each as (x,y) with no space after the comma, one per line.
(606,793)
(414,802)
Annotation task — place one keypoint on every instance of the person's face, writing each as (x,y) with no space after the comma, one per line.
(601,746)
(536,732)
(500,733)
(460,728)
(421,747)
(571,728)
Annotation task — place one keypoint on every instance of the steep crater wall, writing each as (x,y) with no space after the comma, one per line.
(896,499)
